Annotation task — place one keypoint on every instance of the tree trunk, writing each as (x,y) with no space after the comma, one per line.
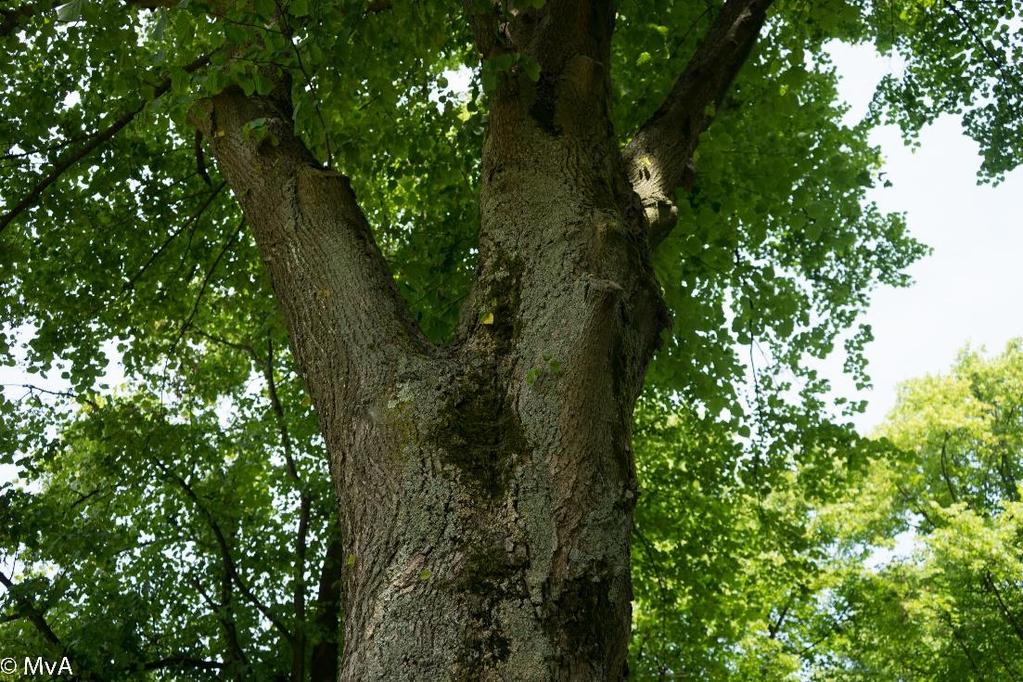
(487,499)
(487,487)
(487,490)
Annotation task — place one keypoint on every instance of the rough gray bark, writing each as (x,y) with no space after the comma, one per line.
(486,487)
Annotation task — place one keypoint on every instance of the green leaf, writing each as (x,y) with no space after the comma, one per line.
(265,8)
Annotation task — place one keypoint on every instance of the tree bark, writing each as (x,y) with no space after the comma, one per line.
(660,155)
(486,487)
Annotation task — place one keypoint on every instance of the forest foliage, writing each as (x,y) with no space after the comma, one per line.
(125,508)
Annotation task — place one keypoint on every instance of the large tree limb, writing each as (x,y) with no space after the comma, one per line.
(344,313)
(660,155)
(567,44)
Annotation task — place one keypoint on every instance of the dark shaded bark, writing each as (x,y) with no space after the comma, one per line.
(486,487)
(325,654)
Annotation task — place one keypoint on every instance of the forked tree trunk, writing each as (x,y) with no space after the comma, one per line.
(487,487)
(487,490)
(486,502)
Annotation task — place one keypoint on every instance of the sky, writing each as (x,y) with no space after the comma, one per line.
(969,290)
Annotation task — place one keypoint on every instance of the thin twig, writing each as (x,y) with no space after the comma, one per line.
(225,549)
(174,235)
(31,388)
(205,283)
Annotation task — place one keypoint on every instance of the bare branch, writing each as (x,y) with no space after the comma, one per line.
(660,155)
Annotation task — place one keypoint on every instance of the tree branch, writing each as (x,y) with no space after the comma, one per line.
(659,157)
(243,347)
(224,612)
(92,143)
(1007,615)
(304,509)
(957,636)
(324,659)
(32,389)
(997,61)
(34,615)
(944,468)
(266,364)
(225,549)
(206,282)
(130,284)
(344,314)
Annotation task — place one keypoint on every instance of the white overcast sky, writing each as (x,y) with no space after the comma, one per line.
(969,289)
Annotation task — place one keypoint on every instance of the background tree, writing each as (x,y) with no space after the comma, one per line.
(948,607)
(473,332)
